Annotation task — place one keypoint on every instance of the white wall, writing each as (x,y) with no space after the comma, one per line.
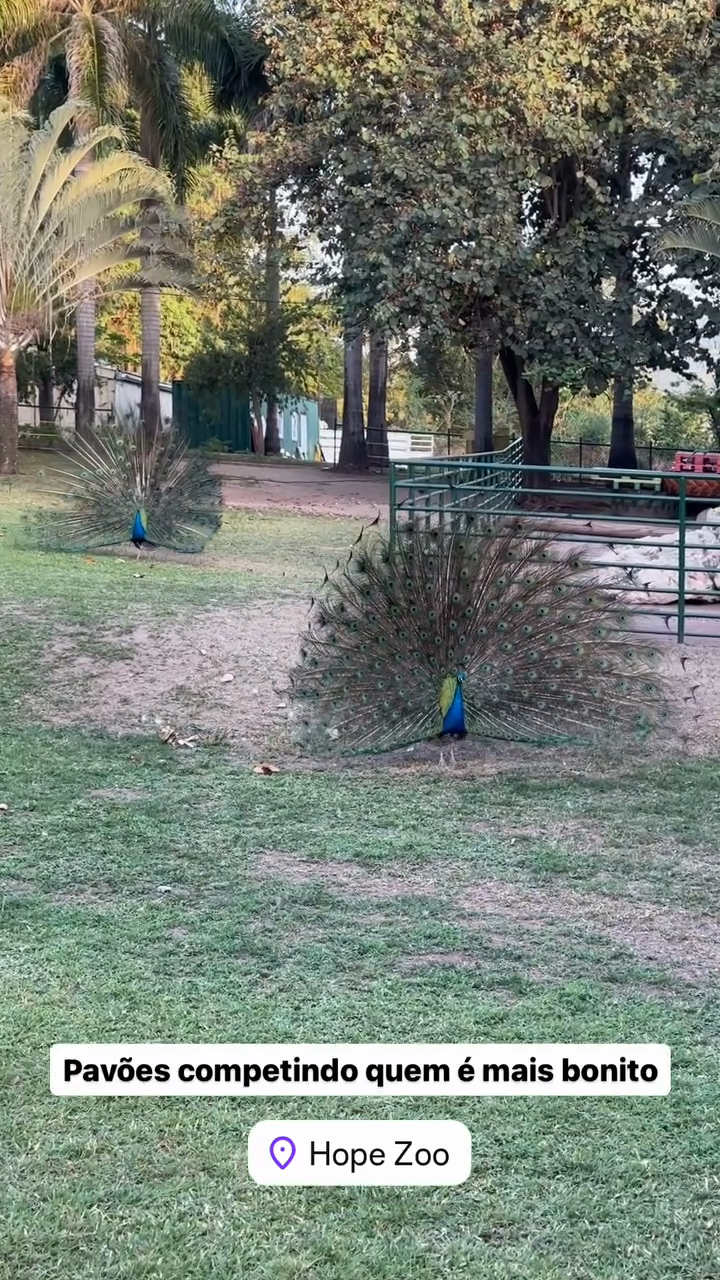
(401,444)
(116,393)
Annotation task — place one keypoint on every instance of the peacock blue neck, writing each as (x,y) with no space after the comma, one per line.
(454,721)
(139,532)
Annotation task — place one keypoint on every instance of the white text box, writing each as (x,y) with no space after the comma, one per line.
(359,1070)
(360,1153)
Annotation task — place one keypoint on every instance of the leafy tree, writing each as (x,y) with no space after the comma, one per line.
(457,161)
(446,374)
(255,352)
(48,367)
(116,52)
(65,218)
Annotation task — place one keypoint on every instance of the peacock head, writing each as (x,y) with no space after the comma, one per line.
(461,677)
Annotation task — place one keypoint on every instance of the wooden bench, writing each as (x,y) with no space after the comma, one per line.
(638,482)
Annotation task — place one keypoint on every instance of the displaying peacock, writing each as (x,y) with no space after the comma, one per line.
(482,631)
(126,487)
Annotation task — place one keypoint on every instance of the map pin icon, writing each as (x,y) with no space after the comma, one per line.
(282,1151)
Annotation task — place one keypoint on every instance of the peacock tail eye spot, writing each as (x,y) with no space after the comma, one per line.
(517,606)
(456,597)
(527,630)
(465,573)
(453,625)
(542,611)
(469,613)
(507,646)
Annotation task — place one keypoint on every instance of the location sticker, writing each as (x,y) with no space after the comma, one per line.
(282,1151)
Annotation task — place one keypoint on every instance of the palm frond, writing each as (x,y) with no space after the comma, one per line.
(67,214)
(97,68)
(699,229)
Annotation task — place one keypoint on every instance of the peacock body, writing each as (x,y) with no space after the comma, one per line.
(128,487)
(482,631)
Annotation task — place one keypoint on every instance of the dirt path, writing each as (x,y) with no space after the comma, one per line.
(303,487)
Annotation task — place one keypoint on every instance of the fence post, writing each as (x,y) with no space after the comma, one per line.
(682,538)
(393,504)
(580,454)
(650,457)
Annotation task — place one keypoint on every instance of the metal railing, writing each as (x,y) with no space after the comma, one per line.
(640,539)
(437,489)
(588,453)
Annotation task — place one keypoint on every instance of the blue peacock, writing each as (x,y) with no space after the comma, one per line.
(127,486)
(480,631)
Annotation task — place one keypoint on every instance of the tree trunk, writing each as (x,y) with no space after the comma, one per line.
(150,299)
(46,399)
(483,438)
(8,414)
(623,454)
(537,417)
(377,440)
(85,337)
(353,453)
(85,324)
(151,320)
(256,426)
(272,286)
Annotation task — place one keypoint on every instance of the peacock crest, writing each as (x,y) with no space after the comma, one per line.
(481,631)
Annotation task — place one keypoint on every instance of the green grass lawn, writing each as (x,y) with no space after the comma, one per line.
(154,894)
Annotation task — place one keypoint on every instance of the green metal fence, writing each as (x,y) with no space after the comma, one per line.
(640,540)
(440,488)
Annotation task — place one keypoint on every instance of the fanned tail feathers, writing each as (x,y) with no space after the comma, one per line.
(540,650)
(125,480)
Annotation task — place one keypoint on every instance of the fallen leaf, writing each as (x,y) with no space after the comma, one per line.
(3,808)
(88,560)
(226,678)
(266,768)
(138,575)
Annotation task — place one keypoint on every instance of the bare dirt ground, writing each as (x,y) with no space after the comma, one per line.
(173,677)
(309,489)
(177,678)
(683,942)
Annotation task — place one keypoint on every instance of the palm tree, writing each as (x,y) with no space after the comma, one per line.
(115,52)
(68,215)
(699,230)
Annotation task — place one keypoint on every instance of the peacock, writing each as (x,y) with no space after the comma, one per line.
(481,630)
(128,487)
